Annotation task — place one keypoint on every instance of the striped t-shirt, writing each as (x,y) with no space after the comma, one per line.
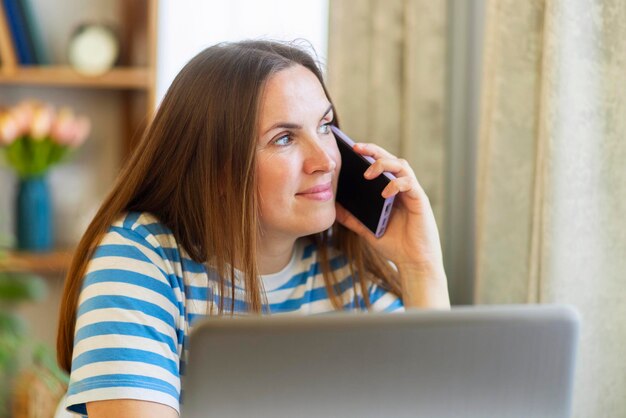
(142,294)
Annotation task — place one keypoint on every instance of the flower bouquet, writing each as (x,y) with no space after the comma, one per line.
(34,137)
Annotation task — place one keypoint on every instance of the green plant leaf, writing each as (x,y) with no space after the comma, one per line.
(31,158)
(20,286)
(11,325)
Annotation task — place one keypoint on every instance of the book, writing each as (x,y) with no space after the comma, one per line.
(17,25)
(33,29)
(7,51)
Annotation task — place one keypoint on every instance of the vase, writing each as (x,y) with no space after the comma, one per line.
(34,214)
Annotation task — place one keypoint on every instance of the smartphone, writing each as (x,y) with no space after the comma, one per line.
(361,196)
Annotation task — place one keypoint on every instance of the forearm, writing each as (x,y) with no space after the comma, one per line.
(424,287)
(129,408)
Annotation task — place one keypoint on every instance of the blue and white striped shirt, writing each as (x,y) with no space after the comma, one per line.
(142,294)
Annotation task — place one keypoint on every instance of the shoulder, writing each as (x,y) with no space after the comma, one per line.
(136,233)
(144,227)
(136,246)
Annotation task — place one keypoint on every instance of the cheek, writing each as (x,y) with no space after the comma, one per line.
(264,179)
(272,178)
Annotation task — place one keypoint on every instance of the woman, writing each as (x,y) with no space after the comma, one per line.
(225,207)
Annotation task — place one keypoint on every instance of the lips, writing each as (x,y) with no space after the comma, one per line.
(317,189)
(320,192)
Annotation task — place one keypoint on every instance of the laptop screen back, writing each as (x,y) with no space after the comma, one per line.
(498,361)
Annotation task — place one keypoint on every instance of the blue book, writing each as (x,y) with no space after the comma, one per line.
(17,25)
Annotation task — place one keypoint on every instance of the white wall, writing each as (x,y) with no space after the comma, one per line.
(187,26)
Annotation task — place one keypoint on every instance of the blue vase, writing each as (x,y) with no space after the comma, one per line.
(34,215)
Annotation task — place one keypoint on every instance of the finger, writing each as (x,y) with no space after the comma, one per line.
(396,166)
(407,185)
(372,150)
(348,220)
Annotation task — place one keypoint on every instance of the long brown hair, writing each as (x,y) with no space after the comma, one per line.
(194,170)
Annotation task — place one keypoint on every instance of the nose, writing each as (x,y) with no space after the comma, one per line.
(319,157)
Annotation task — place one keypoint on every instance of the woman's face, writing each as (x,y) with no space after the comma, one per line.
(297,157)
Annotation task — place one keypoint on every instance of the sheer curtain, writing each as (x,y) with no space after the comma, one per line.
(385,71)
(552,170)
(405,74)
(551,157)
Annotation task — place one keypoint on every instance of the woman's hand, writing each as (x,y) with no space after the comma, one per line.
(411,241)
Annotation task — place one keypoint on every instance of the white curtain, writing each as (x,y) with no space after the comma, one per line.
(385,72)
(551,182)
(552,176)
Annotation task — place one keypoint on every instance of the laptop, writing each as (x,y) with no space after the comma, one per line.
(473,361)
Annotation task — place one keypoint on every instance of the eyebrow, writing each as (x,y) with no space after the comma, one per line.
(286,125)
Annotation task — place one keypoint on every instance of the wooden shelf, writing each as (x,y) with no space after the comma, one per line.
(48,263)
(132,78)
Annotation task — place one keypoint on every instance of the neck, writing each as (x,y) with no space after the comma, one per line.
(274,255)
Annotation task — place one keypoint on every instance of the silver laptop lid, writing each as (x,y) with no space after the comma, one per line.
(482,361)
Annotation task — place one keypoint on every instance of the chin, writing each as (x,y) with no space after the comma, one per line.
(318,223)
(323,224)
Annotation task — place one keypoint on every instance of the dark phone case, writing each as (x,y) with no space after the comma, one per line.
(360,196)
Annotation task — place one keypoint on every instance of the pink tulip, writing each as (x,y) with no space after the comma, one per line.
(63,129)
(39,120)
(23,115)
(9,129)
(41,123)
(82,130)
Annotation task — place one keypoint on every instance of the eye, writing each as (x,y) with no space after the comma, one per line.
(282,140)
(325,128)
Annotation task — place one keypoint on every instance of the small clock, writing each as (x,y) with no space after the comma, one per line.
(93,49)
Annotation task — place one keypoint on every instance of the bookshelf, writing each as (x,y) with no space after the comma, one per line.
(120,101)
(53,264)
(118,78)
(136,22)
